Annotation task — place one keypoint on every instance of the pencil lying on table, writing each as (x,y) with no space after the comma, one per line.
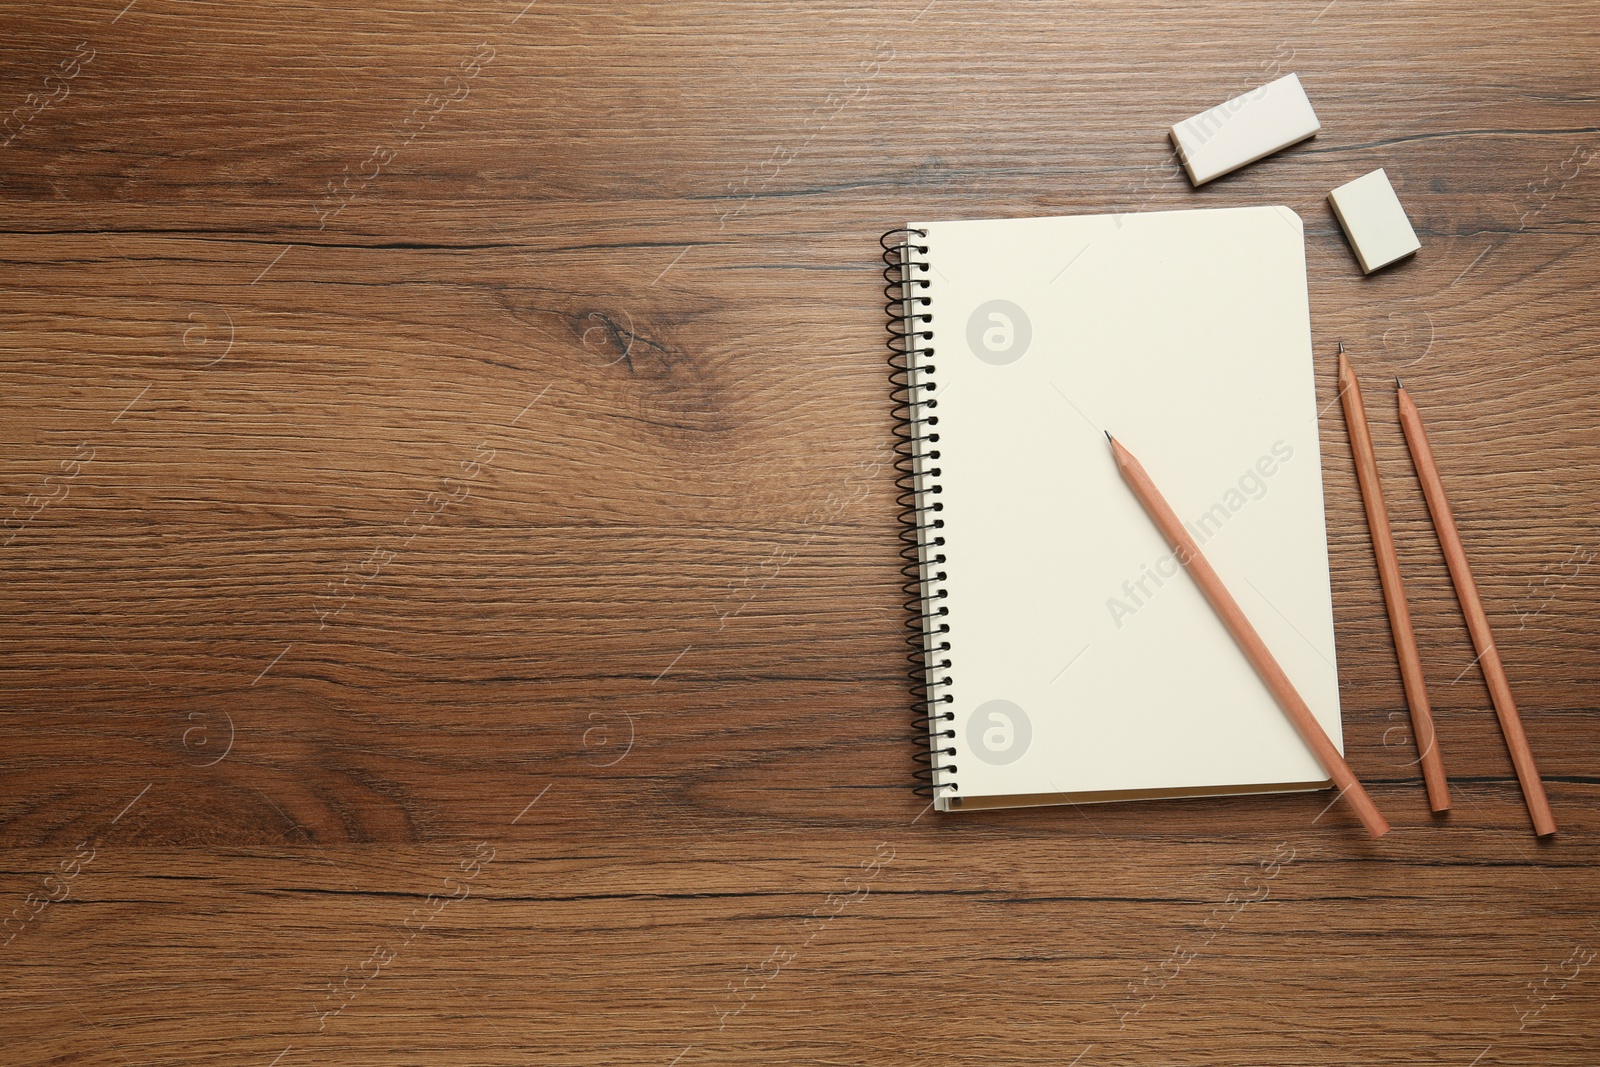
(1494,673)
(1394,589)
(1255,650)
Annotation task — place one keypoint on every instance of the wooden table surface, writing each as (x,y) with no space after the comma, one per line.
(452,599)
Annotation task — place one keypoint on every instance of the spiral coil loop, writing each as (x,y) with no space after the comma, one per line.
(910,321)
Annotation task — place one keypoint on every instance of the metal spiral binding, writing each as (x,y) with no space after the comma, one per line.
(911,380)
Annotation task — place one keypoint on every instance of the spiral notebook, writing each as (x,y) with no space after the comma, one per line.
(1062,654)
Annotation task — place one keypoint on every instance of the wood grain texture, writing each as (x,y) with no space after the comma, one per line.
(451,574)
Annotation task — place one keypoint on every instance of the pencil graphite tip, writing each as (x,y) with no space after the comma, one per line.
(1341,348)
(1397,383)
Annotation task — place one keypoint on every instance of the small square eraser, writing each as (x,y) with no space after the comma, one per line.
(1374,221)
(1245,129)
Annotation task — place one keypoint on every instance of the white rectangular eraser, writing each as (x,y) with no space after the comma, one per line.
(1245,129)
(1374,221)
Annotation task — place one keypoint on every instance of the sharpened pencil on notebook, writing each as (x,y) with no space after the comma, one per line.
(1255,650)
(1494,672)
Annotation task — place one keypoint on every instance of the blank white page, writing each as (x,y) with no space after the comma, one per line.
(1187,335)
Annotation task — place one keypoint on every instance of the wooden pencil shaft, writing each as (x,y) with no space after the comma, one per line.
(1249,641)
(1394,589)
(1494,673)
